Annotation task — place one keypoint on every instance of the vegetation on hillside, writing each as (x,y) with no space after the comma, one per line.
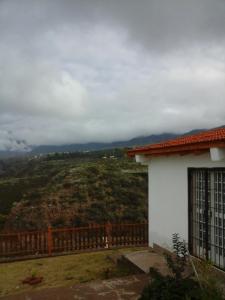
(72,189)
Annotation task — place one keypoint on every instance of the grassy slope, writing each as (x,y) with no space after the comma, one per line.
(72,191)
(59,271)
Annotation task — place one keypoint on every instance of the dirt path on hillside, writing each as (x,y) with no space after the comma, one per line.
(125,288)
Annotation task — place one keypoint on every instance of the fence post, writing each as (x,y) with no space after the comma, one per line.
(49,240)
(108,228)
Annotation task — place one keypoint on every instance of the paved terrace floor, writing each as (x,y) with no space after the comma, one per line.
(145,259)
(125,288)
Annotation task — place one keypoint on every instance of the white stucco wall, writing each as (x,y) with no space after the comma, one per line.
(168,195)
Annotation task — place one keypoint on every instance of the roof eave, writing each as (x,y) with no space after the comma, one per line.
(194,148)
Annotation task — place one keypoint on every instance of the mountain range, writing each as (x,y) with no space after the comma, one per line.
(138,141)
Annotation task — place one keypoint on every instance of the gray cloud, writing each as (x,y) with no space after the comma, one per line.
(78,71)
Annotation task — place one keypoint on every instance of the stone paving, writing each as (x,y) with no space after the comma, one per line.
(124,288)
(143,260)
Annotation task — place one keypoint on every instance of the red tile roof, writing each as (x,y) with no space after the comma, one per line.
(197,143)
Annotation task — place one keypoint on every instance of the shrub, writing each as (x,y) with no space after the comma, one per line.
(179,286)
(169,288)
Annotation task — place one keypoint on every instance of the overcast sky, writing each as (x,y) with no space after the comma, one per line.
(89,70)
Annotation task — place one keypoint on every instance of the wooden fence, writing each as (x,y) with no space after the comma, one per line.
(15,245)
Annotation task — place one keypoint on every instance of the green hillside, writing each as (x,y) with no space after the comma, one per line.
(72,189)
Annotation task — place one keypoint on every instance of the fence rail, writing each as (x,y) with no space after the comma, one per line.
(49,242)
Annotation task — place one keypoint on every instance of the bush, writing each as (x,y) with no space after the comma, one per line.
(169,288)
(179,286)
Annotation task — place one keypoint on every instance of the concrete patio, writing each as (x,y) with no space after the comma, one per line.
(126,288)
(145,259)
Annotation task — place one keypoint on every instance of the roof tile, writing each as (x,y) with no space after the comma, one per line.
(183,143)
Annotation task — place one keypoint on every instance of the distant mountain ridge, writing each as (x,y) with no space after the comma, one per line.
(138,141)
(44,149)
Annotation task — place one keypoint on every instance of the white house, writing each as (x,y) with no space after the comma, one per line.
(187,192)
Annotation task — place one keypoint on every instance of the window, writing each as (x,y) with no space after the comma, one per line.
(207,214)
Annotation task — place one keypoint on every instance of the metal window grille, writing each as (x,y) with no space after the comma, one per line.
(207,214)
